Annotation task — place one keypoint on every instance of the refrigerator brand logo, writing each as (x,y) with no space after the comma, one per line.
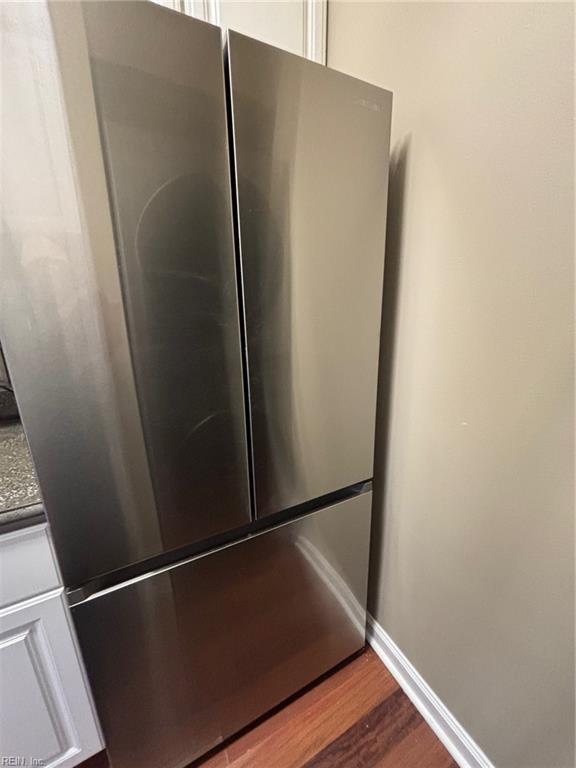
(371,105)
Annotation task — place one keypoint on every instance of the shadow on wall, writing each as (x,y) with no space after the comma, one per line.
(394,229)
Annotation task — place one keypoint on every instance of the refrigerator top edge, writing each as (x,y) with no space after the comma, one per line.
(387,96)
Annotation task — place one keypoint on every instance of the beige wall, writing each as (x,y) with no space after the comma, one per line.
(472,571)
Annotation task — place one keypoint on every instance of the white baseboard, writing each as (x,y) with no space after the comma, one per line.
(461,746)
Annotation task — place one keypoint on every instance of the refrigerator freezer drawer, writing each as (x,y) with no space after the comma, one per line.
(183,658)
(311,151)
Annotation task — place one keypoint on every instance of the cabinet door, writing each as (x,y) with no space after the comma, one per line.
(46,715)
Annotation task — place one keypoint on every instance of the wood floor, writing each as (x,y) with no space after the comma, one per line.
(357,717)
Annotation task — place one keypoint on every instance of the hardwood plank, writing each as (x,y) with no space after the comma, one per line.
(420,748)
(372,736)
(319,723)
(99,760)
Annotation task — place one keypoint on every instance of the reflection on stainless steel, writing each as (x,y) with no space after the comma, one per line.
(73,394)
(123,478)
(163,124)
(224,637)
(311,152)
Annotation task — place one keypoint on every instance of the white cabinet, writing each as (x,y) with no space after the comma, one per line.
(46,712)
(27,565)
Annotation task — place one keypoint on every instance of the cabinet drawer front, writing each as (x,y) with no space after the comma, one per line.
(27,566)
(46,716)
(183,658)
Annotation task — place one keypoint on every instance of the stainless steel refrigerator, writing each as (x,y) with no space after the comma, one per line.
(199,386)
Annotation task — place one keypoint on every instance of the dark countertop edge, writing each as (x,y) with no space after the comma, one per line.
(21,517)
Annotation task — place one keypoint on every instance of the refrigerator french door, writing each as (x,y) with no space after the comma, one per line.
(196,364)
(310,161)
(126,345)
